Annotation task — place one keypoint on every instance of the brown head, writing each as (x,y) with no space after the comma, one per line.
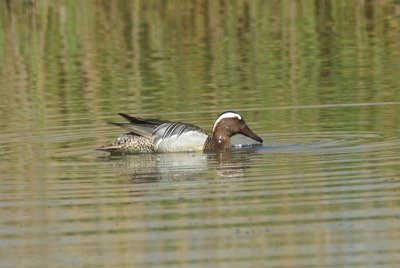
(229,124)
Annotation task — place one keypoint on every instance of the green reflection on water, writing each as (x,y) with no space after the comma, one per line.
(145,55)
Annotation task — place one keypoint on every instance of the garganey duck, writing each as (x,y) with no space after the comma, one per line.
(153,135)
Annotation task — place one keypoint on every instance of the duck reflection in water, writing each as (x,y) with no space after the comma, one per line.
(147,168)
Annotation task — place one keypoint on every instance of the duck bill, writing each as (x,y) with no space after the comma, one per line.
(247,132)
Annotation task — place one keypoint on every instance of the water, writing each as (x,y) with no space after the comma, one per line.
(317,81)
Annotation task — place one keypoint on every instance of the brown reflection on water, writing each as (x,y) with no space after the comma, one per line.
(306,203)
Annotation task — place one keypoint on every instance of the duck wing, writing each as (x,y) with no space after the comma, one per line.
(138,120)
(139,126)
(170,129)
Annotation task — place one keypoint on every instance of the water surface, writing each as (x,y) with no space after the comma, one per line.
(318,81)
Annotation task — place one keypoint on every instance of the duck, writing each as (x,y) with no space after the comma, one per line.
(162,136)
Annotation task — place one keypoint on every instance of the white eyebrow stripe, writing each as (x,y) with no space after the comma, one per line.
(226,115)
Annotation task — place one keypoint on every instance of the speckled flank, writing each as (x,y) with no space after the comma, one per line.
(129,144)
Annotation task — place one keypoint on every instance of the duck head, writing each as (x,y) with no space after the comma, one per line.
(229,124)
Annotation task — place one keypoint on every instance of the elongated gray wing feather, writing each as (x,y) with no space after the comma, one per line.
(169,129)
(139,126)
